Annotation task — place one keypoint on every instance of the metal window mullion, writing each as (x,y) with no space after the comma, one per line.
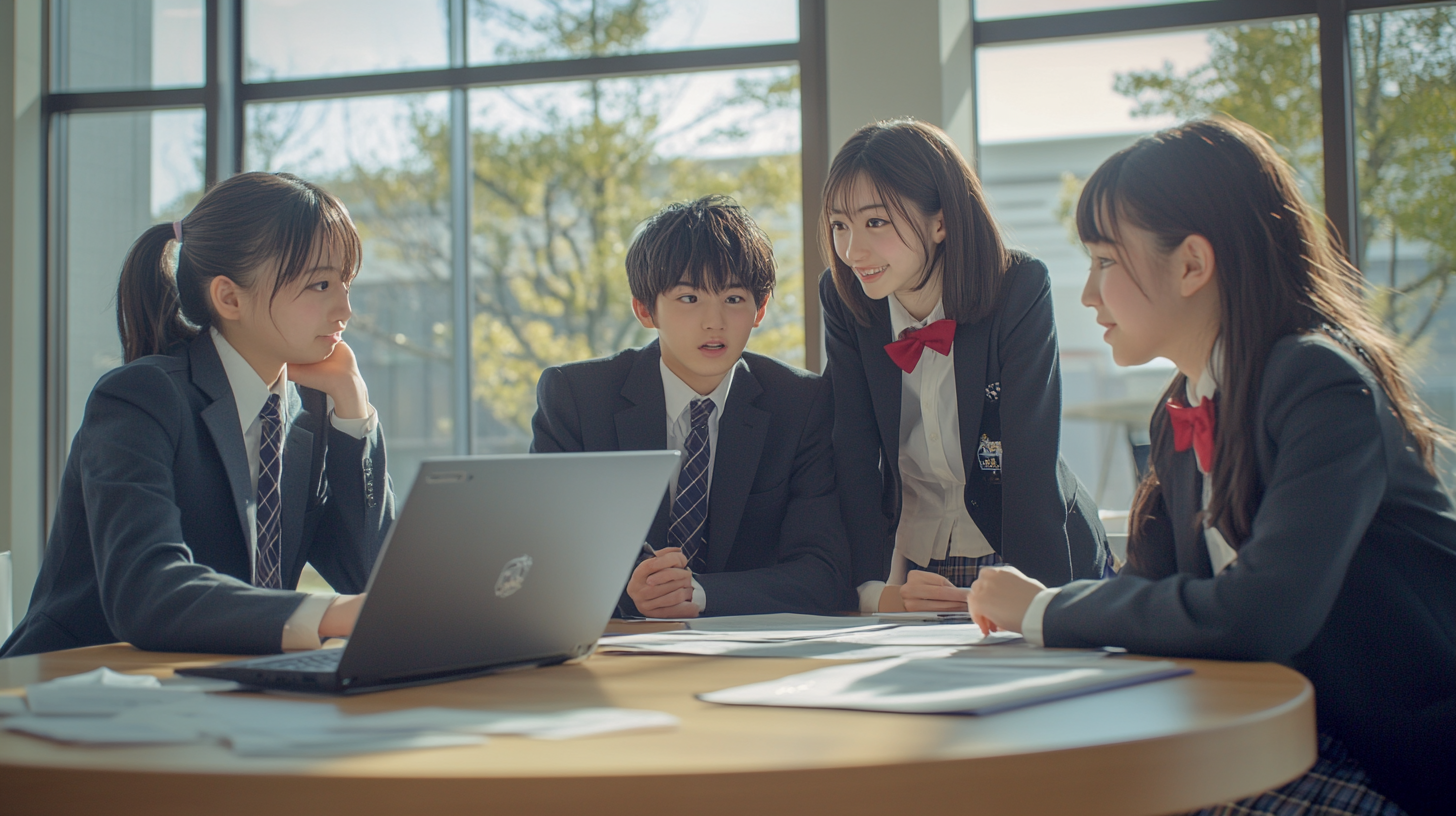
(222,91)
(54,413)
(1337,111)
(460,178)
(814,165)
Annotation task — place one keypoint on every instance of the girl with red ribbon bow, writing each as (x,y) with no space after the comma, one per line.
(943,357)
(1302,520)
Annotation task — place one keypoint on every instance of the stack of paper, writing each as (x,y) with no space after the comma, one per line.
(104,707)
(954,686)
(861,642)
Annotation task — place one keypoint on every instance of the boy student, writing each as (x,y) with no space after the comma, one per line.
(750,522)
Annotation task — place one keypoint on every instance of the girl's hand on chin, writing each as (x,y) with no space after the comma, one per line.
(338,376)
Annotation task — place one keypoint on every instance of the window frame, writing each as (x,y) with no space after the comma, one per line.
(225,95)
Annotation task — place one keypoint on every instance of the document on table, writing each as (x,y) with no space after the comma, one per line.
(951,686)
(777,621)
(109,708)
(822,649)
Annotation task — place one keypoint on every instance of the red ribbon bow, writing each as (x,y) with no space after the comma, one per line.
(1193,427)
(937,337)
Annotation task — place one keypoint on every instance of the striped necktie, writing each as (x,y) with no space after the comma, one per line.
(690,508)
(270,504)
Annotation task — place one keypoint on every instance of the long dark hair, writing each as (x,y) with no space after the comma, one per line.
(1279,273)
(244,223)
(913,164)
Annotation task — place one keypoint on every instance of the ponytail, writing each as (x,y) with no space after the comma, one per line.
(148,311)
(249,222)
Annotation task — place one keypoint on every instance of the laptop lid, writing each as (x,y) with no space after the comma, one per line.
(504,559)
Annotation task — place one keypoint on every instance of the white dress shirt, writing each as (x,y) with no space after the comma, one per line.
(679,398)
(1220,554)
(251,393)
(934,522)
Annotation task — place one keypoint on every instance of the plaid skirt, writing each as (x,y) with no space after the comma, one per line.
(960,570)
(1335,786)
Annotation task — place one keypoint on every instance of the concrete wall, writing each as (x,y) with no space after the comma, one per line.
(22,355)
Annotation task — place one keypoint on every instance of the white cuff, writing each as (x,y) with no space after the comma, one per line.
(700,597)
(1031,621)
(357,428)
(869,595)
(301,630)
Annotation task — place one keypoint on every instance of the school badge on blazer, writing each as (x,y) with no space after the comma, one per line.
(513,576)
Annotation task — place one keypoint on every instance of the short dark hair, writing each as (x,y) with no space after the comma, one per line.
(911,164)
(711,243)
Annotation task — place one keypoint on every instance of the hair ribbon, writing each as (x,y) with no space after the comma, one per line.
(177,230)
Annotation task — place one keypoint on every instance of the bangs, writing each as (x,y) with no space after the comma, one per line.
(1098,206)
(318,220)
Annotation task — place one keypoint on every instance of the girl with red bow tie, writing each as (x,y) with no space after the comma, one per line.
(1293,511)
(943,357)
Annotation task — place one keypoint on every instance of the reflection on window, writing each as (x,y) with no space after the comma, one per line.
(563,175)
(1000,9)
(123,173)
(387,159)
(532,30)
(286,39)
(1403,63)
(1051,113)
(127,44)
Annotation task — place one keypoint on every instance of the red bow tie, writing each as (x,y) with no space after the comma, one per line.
(937,337)
(1193,427)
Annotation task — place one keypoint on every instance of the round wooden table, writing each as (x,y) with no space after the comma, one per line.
(1225,731)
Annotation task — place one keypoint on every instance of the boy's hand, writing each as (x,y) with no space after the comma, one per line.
(338,376)
(340,617)
(662,587)
(1000,597)
(930,592)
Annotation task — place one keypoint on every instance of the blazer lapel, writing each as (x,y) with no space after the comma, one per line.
(643,424)
(741,432)
(297,466)
(885,384)
(1183,492)
(221,418)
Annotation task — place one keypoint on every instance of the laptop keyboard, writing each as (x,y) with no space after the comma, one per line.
(323,660)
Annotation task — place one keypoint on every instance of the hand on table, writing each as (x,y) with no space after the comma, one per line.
(931,592)
(662,586)
(1000,596)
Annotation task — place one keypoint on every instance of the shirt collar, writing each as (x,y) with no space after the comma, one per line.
(679,394)
(900,319)
(249,390)
(1207,385)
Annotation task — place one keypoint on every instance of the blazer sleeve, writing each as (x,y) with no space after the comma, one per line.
(357,510)
(856,441)
(153,594)
(811,573)
(1034,512)
(556,425)
(1317,503)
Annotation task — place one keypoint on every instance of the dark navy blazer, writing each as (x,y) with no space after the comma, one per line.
(1042,522)
(149,545)
(1348,576)
(775,540)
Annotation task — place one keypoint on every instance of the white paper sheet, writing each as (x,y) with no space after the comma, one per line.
(577,722)
(11,704)
(101,691)
(821,649)
(776,622)
(977,686)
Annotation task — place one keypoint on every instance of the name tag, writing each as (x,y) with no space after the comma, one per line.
(988,453)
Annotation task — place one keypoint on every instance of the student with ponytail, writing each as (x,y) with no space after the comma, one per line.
(942,352)
(235,445)
(1292,512)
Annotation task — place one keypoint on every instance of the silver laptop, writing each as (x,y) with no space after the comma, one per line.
(495,563)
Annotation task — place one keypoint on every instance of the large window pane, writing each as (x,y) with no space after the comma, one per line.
(565,172)
(122,172)
(1051,113)
(532,30)
(1405,124)
(286,39)
(387,159)
(126,44)
(1000,9)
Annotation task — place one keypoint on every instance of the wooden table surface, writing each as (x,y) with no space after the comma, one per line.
(1227,730)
